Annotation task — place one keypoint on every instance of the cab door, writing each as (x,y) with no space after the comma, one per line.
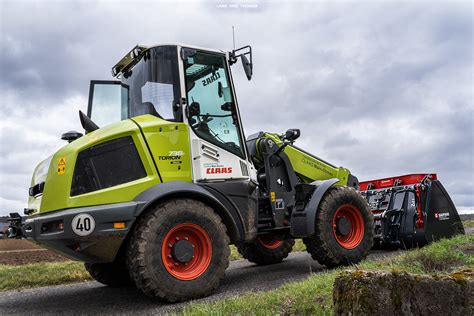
(217,145)
(108,102)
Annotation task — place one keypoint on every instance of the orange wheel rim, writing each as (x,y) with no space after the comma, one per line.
(186,251)
(270,242)
(348,226)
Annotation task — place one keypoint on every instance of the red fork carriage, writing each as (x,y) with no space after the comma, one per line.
(411,210)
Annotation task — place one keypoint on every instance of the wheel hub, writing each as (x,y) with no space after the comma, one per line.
(348,226)
(182,251)
(186,251)
(343,226)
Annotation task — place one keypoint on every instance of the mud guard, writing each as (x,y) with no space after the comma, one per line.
(303,220)
(177,189)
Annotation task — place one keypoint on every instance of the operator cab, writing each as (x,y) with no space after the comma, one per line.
(179,84)
(149,84)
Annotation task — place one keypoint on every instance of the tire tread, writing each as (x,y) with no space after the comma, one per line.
(136,256)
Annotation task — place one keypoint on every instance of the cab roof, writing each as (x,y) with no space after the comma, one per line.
(132,56)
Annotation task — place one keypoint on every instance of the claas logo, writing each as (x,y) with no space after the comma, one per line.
(218,170)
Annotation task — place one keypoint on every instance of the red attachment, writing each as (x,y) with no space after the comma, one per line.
(202,245)
(270,242)
(356,232)
(396,181)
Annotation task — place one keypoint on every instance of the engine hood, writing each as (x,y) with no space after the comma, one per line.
(56,172)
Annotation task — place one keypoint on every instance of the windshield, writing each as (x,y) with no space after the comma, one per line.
(154,84)
(208,88)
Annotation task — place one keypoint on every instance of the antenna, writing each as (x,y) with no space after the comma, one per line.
(233,36)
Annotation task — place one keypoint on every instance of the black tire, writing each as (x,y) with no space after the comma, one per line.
(324,245)
(114,274)
(260,253)
(150,237)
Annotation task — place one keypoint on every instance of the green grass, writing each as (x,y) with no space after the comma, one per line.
(41,274)
(468,223)
(314,295)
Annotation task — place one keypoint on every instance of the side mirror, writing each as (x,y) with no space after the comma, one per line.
(87,123)
(194,109)
(247,66)
(71,136)
(292,134)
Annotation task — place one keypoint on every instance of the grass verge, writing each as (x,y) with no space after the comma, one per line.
(15,277)
(41,274)
(314,295)
(468,223)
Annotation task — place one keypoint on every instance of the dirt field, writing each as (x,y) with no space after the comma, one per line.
(20,251)
(17,244)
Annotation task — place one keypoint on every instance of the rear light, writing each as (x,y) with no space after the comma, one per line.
(52,227)
(119,225)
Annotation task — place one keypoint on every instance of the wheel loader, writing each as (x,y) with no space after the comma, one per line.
(164,180)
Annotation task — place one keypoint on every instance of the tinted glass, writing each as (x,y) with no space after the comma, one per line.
(208,85)
(154,84)
(109,102)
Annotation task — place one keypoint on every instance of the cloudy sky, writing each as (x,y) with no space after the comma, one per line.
(382,88)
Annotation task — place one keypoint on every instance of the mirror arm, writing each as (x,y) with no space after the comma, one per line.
(233,56)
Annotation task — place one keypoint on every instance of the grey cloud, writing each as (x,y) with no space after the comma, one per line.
(380,88)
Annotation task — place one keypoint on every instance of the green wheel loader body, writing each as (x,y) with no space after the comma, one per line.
(163,148)
(170,138)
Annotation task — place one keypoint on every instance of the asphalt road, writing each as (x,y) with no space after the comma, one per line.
(94,298)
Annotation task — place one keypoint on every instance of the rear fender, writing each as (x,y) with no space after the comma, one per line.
(177,189)
(303,222)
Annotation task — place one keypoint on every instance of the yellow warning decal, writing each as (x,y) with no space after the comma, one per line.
(272,197)
(61,165)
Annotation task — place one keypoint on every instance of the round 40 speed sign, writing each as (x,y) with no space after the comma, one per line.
(83,224)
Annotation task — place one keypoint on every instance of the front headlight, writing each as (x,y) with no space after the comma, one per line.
(41,171)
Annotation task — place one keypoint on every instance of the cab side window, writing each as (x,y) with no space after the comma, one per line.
(214,116)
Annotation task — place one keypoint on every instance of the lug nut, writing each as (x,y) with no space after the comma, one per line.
(170,245)
(186,238)
(177,238)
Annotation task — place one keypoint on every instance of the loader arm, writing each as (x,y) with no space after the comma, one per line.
(307,167)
